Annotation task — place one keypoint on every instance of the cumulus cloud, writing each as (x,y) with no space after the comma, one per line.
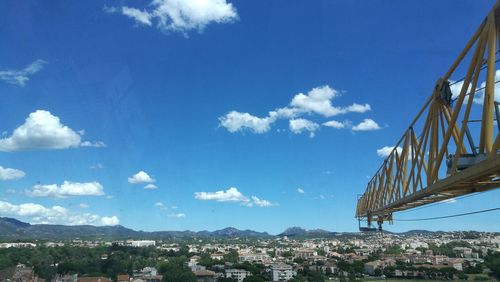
(11,173)
(449,201)
(336,124)
(300,191)
(177,215)
(38,214)
(141,17)
(112,220)
(83,206)
(97,166)
(456,87)
(67,189)
(261,202)
(43,131)
(318,101)
(140,177)
(180,15)
(299,125)
(21,77)
(357,108)
(96,144)
(235,121)
(150,187)
(159,204)
(232,195)
(385,151)
(366,125)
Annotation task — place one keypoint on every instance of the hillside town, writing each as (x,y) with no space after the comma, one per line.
(345,257)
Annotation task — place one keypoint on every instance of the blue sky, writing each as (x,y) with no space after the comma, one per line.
(92,93)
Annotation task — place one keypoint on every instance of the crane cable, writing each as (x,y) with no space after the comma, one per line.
(437,203)
(448,216)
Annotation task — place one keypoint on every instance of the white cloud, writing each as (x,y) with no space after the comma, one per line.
(42,130)
(261,202)
(449,201)
(11,173)
(479,95)
(66,189)
(39,214)
(141,17)
(317,101)
(385,151)
(300,191)
(96,144)
(140,177)
(297,126)
(159,204)
(21,77)
(235,121)
(357,108)
(180,15)
(336,124)
(83,206)
(112,220)
(366,125)
(232,195)
(97,166)
(150,187)
(177,215)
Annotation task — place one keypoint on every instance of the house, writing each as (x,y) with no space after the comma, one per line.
(205,276)
(18,273)
(253,257)
(66,278)
(371,266)
(217,256)
(147,274)
(142,243)
(305,253)
(237,274)
(282,272)
(122,278)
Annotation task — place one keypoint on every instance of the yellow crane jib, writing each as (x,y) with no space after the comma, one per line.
(452,146)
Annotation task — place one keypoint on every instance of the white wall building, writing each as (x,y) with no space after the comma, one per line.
(282,272)
(237,274)
(142,243)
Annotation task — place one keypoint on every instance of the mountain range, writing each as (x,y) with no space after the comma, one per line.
(13,229)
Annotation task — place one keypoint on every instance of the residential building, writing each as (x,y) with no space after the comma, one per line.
(282,272)
(237,274)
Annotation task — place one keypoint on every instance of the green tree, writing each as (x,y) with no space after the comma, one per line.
(492,261)
(232,256)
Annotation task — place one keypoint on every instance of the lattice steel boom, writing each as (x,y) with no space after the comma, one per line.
(452,146)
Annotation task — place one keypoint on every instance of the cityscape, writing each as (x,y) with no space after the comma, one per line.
(233,255)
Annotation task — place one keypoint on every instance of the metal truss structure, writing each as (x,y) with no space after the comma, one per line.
(452,147)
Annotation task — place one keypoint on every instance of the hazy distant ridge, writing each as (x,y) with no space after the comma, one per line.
(12,229)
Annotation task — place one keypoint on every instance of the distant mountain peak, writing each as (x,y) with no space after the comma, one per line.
(14,222)
(294,231)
